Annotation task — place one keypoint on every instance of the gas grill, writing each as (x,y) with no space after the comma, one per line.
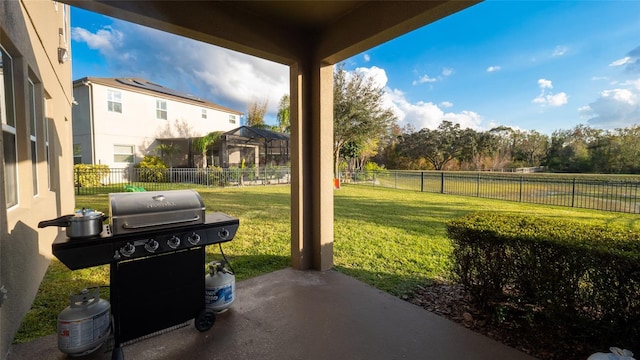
(155,245)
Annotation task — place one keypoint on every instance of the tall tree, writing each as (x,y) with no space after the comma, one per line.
(256,112)
(284,114)
(438,146)
(531,147)
(358,111)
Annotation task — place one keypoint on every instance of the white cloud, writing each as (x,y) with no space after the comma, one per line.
(104,40)
(494,68)
(624,61)
(428,79)
(559,51)
(546,97)
(615,108)
(420,114)
(216,74)
(366,57)
(545,84)
(423,114)
(378,75)
(424,79)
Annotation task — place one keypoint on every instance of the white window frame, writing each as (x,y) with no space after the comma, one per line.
(161,109)
(204,113)
(117,152)
(33,134)
(47,149)
(114,101)
(77,154)
(232,119)
(8,120)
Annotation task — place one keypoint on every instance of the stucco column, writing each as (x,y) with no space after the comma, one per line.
(311,164)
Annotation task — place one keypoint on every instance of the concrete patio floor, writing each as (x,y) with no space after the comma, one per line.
(290,314)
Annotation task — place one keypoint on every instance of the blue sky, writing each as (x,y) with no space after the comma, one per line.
(530,65)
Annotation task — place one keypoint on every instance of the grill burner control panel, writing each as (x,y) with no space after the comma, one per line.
(169,242)
(108,247)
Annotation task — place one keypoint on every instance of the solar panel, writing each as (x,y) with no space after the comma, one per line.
(158,88)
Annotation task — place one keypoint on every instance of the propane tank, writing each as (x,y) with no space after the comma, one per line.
(220,287)
(85,324)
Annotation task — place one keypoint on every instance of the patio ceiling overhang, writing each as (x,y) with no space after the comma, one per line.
(283,31)
(309,37)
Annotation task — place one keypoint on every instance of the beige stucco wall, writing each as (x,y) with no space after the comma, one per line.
(29,33)
(137,125)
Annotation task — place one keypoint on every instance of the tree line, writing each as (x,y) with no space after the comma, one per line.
(366,135)
(579,150)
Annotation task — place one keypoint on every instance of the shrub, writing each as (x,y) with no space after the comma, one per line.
(372,166)
(152,169)
(586,276)
(86,175)
(216,176)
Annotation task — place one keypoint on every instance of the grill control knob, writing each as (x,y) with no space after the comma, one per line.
(174,242)
(224,234)
(193,238)
(152,245)
(128,249)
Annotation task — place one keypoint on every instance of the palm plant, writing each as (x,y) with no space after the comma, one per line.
(167,150)
(202,144)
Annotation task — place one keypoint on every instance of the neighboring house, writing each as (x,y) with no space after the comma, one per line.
(36,177)
(116,121)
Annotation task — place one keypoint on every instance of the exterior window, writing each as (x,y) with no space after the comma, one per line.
(123,153)
(8,120)
(204,113)
(161,109)
(32,136)
(45,123)
(114,101)
(77,154)
(232,119)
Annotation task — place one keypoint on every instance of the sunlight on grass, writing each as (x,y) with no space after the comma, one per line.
(391,239)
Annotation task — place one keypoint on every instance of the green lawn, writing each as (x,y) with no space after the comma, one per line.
(391,239)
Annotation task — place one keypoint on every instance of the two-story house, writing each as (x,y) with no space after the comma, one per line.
(116,121)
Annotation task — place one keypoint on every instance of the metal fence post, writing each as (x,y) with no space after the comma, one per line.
(478,186)
(442,182)
(422,181)
(573,192)
(521,182)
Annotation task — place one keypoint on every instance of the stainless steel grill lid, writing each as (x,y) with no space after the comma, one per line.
(138,211)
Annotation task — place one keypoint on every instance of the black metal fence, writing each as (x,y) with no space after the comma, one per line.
(609,194)
(102,181)
(618,194)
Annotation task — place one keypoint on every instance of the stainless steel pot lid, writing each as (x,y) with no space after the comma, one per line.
(87,214)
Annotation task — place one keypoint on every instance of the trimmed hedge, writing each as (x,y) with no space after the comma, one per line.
(557,270)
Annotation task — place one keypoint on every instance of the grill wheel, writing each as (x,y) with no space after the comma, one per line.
(205,320)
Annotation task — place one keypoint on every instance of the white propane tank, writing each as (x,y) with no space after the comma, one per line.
(220,287)
(85,324)
(615,354)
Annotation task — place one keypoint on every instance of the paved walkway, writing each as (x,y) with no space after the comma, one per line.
(290,314)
